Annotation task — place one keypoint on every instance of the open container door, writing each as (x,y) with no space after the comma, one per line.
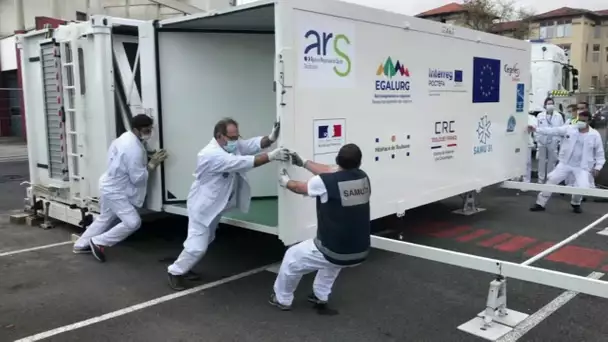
(212,66)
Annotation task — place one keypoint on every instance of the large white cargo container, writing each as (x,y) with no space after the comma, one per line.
(437,110)
(79,90)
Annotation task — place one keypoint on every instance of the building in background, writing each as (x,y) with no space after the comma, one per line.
(582,33)
(24,15)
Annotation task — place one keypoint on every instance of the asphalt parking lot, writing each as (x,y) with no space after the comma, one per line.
(390,298)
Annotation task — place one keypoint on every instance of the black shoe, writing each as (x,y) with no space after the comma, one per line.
(537,207)
(97,251)
(576,208)
(315,300)
(274,302)
(176,282)
(192,276)
(83,250)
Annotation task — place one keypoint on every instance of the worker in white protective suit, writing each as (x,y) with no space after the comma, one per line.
(578,108)
(343,226)
(532,121)
(122,189)
(547,145)
(220,185)
(581,155)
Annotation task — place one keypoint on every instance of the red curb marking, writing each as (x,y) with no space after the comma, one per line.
(495,240)
(541,247)
(474,235)
(578,256)
(450,232)
(515,244)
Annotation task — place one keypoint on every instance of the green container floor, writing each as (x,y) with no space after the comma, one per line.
(264,211)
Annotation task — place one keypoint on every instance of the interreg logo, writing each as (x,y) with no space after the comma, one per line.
(512,71)
(483,135)
(438,78)
(392,84)
(327,49)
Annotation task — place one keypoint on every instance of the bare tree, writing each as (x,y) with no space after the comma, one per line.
(486,15)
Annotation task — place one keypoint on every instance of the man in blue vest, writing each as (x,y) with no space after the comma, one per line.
(343,226)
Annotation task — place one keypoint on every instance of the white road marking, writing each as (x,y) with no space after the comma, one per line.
(141,306)
(533,320)
(35,248)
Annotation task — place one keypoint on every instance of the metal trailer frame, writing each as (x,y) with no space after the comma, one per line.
(496,319)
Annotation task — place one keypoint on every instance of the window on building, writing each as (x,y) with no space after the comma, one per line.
(566,47)
(547,29)
(597,31)
(562,29)
(607,54)
(596,53)
(594,81)
(586,53)
(81,16)
(568,28)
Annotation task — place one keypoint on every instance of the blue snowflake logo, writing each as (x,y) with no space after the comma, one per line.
(483,129)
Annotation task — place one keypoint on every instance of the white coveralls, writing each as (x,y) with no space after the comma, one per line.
(579,155)
(303,258)
(570,181)
(122,189)
(532,121)
(547,145)
(220,185)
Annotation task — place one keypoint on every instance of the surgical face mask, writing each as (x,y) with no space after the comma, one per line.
(230,146)
(146,137)
(581,124)
(550,108)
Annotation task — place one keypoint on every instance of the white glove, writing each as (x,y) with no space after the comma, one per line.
(156,159)
(297,160)
(281,154)
(274,134)
(284,178)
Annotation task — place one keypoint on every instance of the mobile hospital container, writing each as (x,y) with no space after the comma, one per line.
(437,110)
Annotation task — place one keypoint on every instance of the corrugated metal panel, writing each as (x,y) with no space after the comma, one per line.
(53,111)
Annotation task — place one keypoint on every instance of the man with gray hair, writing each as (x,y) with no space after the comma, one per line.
(220,185)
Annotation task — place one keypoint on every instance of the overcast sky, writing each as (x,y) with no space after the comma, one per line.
(413,7)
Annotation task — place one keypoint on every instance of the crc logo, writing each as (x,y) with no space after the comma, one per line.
(444,127)
(328,49)
(512,71)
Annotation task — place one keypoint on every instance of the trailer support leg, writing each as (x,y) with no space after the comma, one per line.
(47,224)
(496,320)
(469,204)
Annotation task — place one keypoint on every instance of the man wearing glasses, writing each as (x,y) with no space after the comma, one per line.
(220,185)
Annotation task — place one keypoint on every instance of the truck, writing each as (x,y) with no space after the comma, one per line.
(430,127)
(551,75)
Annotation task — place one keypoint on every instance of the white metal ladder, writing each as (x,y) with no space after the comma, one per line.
(74,121)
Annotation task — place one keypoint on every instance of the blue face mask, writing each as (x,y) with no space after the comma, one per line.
(230,146)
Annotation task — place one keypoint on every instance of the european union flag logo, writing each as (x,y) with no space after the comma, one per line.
(486,80)
(458,76)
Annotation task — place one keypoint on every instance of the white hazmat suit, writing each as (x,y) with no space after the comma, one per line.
(547,145)
(220,185)
(580,154)
(122,189)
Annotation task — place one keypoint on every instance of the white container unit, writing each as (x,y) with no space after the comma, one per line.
(437,110)
(76,81)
